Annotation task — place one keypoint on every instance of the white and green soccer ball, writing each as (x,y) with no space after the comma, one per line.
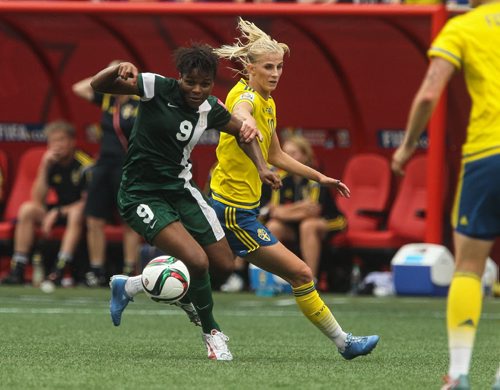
(165,279)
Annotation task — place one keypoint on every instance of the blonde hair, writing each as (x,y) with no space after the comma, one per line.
(58,125)
(304,146)
(252,44)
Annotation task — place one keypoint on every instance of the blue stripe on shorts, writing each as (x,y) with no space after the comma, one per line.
(243,230)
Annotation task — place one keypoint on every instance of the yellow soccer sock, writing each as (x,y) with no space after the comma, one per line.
(318,313)
(463,312)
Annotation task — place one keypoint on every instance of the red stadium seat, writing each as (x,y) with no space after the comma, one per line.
(407,215)
(369,178)
(4,179)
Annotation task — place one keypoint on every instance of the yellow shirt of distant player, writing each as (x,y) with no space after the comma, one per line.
(472,41)
(235,180)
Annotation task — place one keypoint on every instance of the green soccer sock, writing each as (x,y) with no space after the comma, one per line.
(200,293)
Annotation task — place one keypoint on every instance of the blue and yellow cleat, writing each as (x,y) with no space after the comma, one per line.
(119,298)
(358,346)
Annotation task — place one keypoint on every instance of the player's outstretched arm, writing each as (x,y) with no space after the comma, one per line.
(438,74)
(120,79)
(280,159)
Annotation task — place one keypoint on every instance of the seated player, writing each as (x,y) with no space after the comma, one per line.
(302,211)
(63,169)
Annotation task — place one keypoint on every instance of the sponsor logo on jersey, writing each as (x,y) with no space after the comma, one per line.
(263,235)
(247,96)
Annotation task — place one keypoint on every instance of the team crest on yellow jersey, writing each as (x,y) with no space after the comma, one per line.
(263,235)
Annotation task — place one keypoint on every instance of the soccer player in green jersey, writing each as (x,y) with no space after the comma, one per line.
(157,196)
(468,42)
(236,186)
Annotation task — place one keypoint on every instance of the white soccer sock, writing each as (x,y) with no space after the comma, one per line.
(332,329)
(459,361)
(339,337)
(133,286)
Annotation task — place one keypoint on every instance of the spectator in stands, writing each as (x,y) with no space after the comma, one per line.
(470,42)
(117,119)
(63,169)
(303,211)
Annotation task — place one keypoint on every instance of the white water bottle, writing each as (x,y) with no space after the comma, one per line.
(38,276)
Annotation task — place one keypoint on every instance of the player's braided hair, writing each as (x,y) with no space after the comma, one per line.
(250,46)
(197,56)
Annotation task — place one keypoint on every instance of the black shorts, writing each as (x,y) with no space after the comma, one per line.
(103,190)
(61,220)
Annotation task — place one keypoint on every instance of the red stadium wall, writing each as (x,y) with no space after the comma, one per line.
(348,82)
(349,70)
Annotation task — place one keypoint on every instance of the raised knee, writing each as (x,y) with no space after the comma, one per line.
(302,276)
(308,225)
(27,210)
(198,264)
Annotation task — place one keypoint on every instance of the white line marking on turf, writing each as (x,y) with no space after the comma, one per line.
(176,312)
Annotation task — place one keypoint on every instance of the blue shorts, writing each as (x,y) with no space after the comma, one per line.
(243,230)
(476,212)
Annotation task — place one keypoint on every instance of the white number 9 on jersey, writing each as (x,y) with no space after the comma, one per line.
(185,130)
(145,212)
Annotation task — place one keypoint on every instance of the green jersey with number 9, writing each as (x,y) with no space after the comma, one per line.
(164,134)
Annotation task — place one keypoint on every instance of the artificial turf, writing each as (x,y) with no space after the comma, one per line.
(66,340)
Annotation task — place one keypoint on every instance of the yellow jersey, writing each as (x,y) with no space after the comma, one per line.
(472,41)
(235,180)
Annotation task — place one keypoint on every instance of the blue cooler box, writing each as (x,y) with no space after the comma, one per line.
(266,284)
(422,269)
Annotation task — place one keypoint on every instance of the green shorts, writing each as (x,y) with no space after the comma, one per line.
(149,212)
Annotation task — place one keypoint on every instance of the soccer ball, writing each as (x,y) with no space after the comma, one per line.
(165,279)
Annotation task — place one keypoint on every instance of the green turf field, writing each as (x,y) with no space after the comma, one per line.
(66,340)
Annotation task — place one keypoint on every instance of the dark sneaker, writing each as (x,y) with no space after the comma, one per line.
(190,311)
(56,276)
(358,346)
(93,280)
(16,276)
